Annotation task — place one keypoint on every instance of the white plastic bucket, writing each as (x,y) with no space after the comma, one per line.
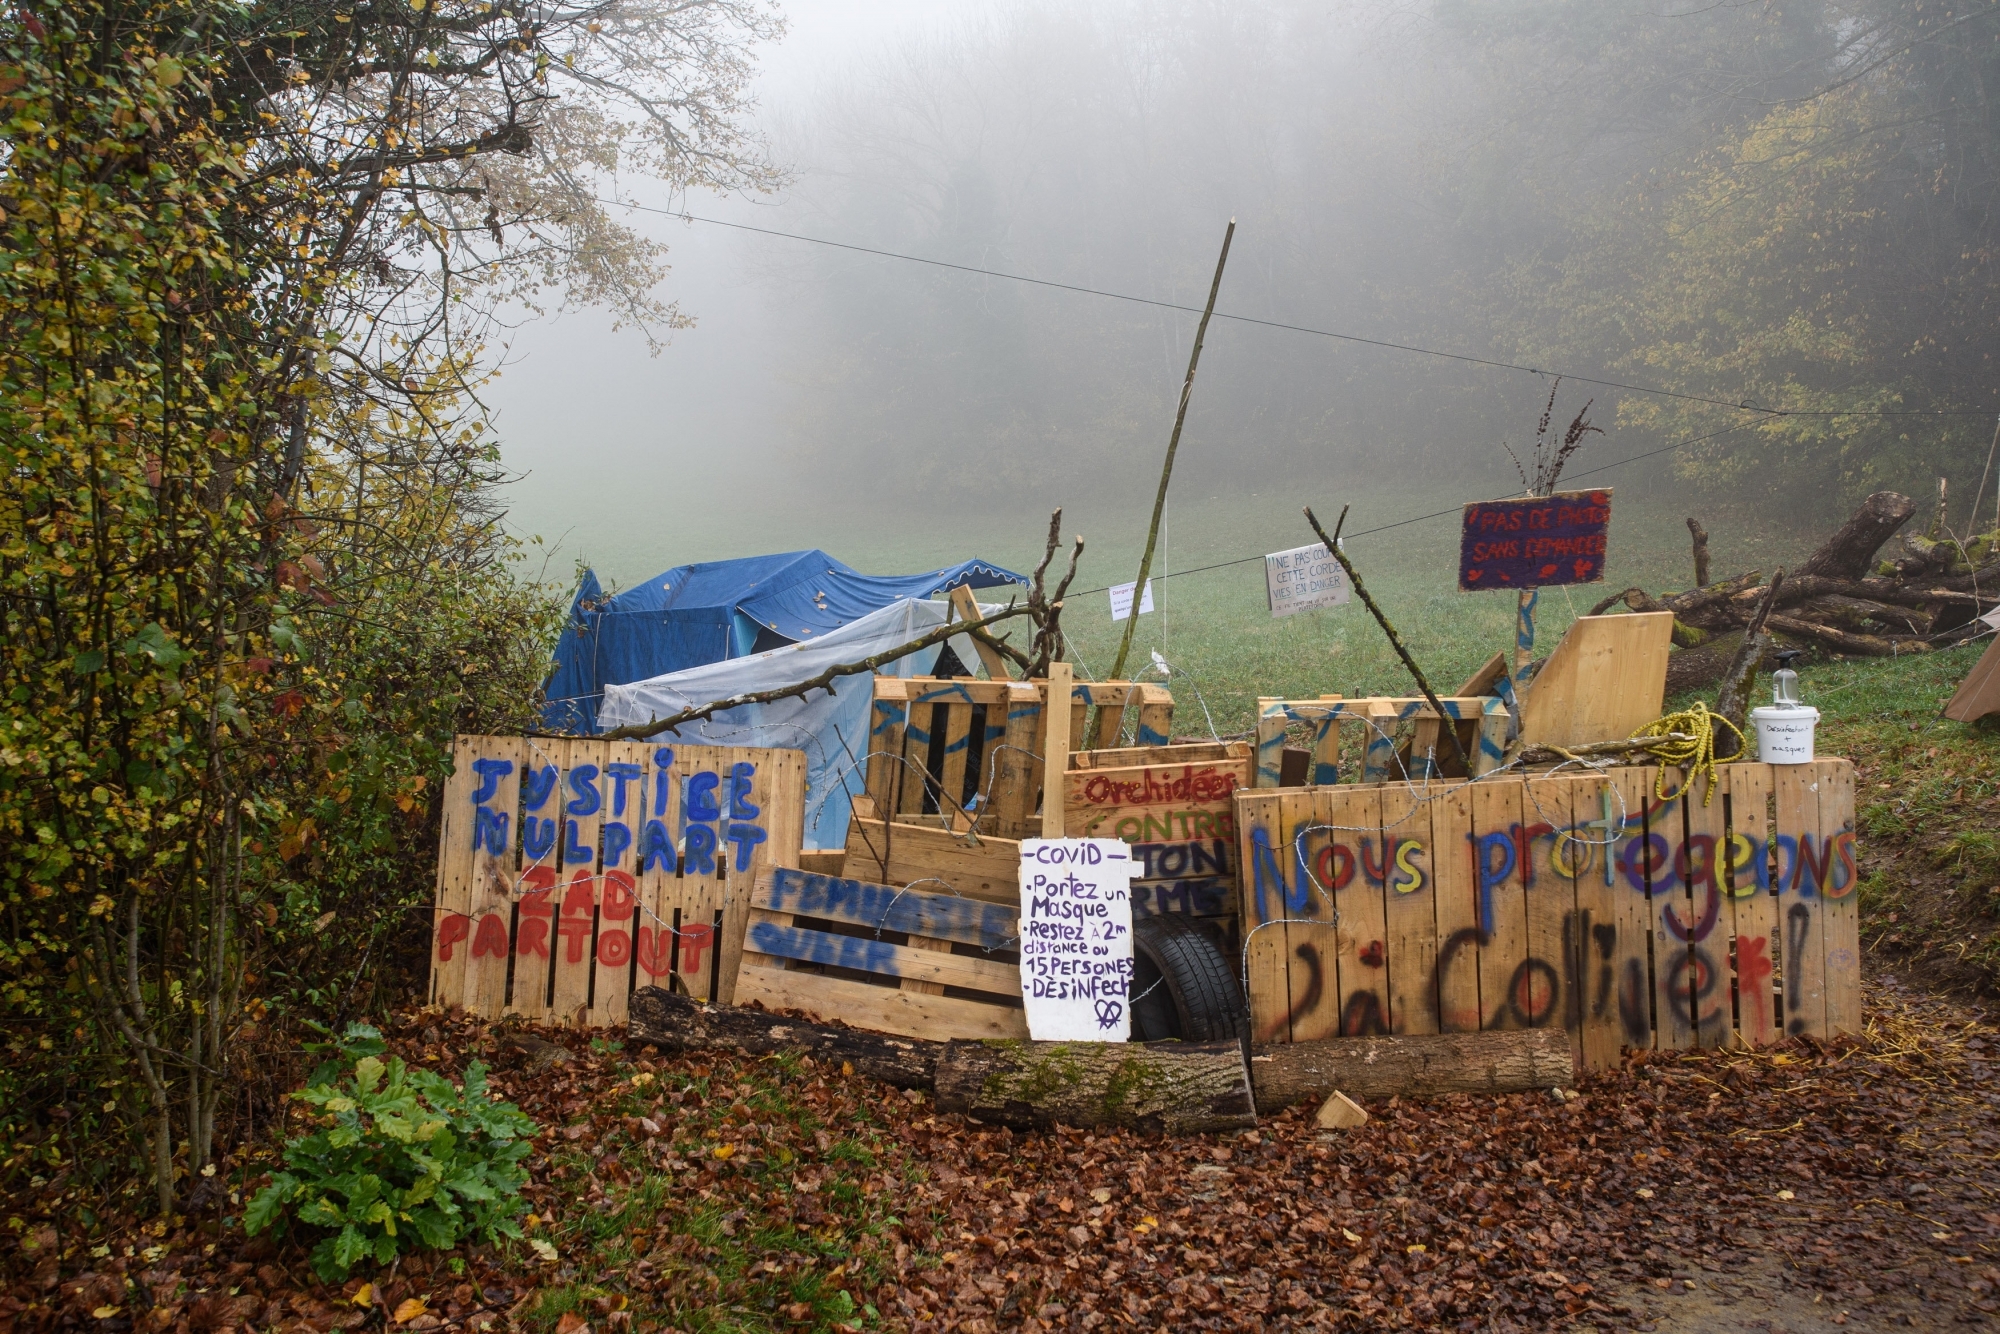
(1785,735)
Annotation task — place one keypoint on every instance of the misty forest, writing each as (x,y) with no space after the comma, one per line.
(496,839)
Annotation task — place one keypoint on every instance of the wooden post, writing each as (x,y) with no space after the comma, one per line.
(1524,627)
(1167,468)
(968,611)
(1055,748)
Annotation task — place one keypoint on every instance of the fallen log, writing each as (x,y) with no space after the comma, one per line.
(1847,641)
(1848,552)
(676,1023)
(1171,1087)
(1499,1061)
(1176,1088)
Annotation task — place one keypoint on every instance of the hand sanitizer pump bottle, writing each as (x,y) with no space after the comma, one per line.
(1785,726)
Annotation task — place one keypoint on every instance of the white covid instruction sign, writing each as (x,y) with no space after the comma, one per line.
(1076,938)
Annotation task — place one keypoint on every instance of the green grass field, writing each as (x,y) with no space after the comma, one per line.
(1214,628)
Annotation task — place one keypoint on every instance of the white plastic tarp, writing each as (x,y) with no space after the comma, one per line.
(832,729)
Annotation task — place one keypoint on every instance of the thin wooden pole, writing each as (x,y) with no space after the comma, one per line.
(1446,723)
(1166,475)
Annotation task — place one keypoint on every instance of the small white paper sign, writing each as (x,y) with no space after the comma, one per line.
(1304,578)
(1076,938)
(1121,600)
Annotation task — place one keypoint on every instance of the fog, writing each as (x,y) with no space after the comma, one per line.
(1429,174)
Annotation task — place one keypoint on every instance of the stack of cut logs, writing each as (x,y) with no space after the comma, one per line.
(1851,596)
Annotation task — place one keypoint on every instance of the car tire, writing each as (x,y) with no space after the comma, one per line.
(1182,986)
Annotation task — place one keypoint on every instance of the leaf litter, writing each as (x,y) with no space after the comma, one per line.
(712,1192)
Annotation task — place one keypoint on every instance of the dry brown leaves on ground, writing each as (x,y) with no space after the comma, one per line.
(717,1192)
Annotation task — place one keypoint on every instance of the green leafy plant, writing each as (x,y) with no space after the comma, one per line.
(403,1159)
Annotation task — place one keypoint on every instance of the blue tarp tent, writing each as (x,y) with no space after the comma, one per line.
(698,614)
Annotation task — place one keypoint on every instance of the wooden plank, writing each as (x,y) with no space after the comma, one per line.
(890,713)
(1055,748)
(1110,698)
(885,1009)
(1673,919)
(495,857)
(957,749)
(1139,757)
(967,607)
(1456,895)
(1489,745)
(1017,768)
(539,896)
(1481,681)
(1312,939)
(1752,904)
(582,818)
(1261,852)
(1270,742)
(624,795)
(1630,791)
(900,854)
(1411,854)
(1801,907)
(1838,885)
(945,917)
(1711,988)
(451,915)
(1541,991)
(1352,869)
(959,689)
(1503,913)
(919,783)
(1605,680)
(701,774)
(763,824)
(1589,858)
(932,962)
(1156,717)
(656,863)
(1378,762)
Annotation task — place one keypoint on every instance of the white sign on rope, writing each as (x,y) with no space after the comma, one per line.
(1304,578)
(1076,938)
(1121,600)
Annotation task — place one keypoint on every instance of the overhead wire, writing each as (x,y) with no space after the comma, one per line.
(1387,344)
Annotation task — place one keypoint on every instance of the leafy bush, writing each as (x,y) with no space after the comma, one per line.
(403,1159)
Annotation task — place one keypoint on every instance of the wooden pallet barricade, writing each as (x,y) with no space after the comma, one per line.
(572,870)
(1176,807)
(1369,730)
(967,750)
(1588,902)
(905,961)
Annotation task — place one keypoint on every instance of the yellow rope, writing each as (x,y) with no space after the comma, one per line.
(1697,752)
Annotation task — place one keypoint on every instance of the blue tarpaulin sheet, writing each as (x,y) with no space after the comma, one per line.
(698,614)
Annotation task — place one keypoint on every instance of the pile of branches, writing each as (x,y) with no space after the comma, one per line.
(1854,595)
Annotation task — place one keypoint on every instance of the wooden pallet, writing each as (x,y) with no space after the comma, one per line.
(905,961)
(571,870)
(1373,739)
(1620,908)
(1175,805)
(967,750)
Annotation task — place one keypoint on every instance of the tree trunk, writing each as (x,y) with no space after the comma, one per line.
(1844,641)
(1701,666)
(1847,553)
(1179,1088)
(1700,535)
(679,1024)
(1510,1061)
